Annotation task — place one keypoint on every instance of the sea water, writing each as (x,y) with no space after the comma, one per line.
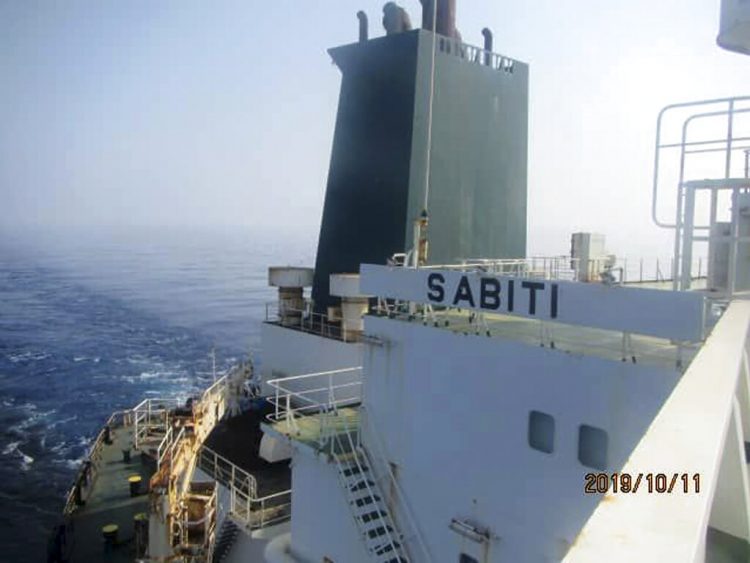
(95,320)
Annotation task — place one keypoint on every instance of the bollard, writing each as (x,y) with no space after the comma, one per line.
(140,526)
(135,485)
(109,533)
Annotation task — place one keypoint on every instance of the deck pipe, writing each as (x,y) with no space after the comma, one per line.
(446,16)
(488,44)
(363,26)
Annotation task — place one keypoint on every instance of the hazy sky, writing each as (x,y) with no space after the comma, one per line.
(203,113)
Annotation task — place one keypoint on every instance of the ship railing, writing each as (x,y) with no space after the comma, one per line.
(88,471)
(573,339)
(151,416)
(343,444)
(164,446)
(217,388)
(177,453)
(626,269)
(246,507)
(258,513)
(547,267)
(474,54)
(688,473)
(698,155)
(212,405)
(314,394)
(227,473)
(307,320)
(383,467)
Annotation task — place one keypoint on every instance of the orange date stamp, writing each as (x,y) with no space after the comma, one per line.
(655,483)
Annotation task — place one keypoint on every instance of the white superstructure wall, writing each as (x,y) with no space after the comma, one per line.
(452,412)
(322,524)
(288,352)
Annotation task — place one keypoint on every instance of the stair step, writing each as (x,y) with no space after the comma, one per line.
(362,493)
(364,501)
(379,531)
(353,470)
(382,549)
(368,509)
(372,516)
(360,485)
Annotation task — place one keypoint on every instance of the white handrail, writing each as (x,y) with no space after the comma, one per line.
(401,497)
(245,505)
(288,402)
(357,451)
(642,526)
(231,475)
(306,320)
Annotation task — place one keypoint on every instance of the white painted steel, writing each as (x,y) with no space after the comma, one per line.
(734,31)
(288,352)
(314,394)
(453,412)
(345,285)
(354,303)
(727,242)
(245,507)
(672,137)
(290,276)
(693,431)
(272,449)
(666,314)
(387,542)
(413,537)
(322,525)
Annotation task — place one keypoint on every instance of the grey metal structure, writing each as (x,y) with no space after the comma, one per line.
(376,184)
(698,160)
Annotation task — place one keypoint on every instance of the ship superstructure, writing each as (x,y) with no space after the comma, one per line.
(429,393)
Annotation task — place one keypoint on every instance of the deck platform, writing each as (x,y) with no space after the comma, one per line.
(109,502)
(585,341)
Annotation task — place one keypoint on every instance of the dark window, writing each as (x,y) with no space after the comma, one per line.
(592,447)
(541,432)
(463,558)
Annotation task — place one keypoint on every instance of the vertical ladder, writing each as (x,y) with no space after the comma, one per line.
(366,501)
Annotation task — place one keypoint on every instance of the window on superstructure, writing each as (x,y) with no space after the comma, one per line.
(592,447)
(463,558)
(541,432)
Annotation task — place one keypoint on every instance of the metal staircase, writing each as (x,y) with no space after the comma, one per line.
(378,530)
(227,537)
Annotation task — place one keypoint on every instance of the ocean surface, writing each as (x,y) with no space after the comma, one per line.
(93,321)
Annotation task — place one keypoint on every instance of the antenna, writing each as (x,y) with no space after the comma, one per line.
(213,361)
(428,159)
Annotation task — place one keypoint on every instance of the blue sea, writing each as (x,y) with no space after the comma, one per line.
(93,321)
